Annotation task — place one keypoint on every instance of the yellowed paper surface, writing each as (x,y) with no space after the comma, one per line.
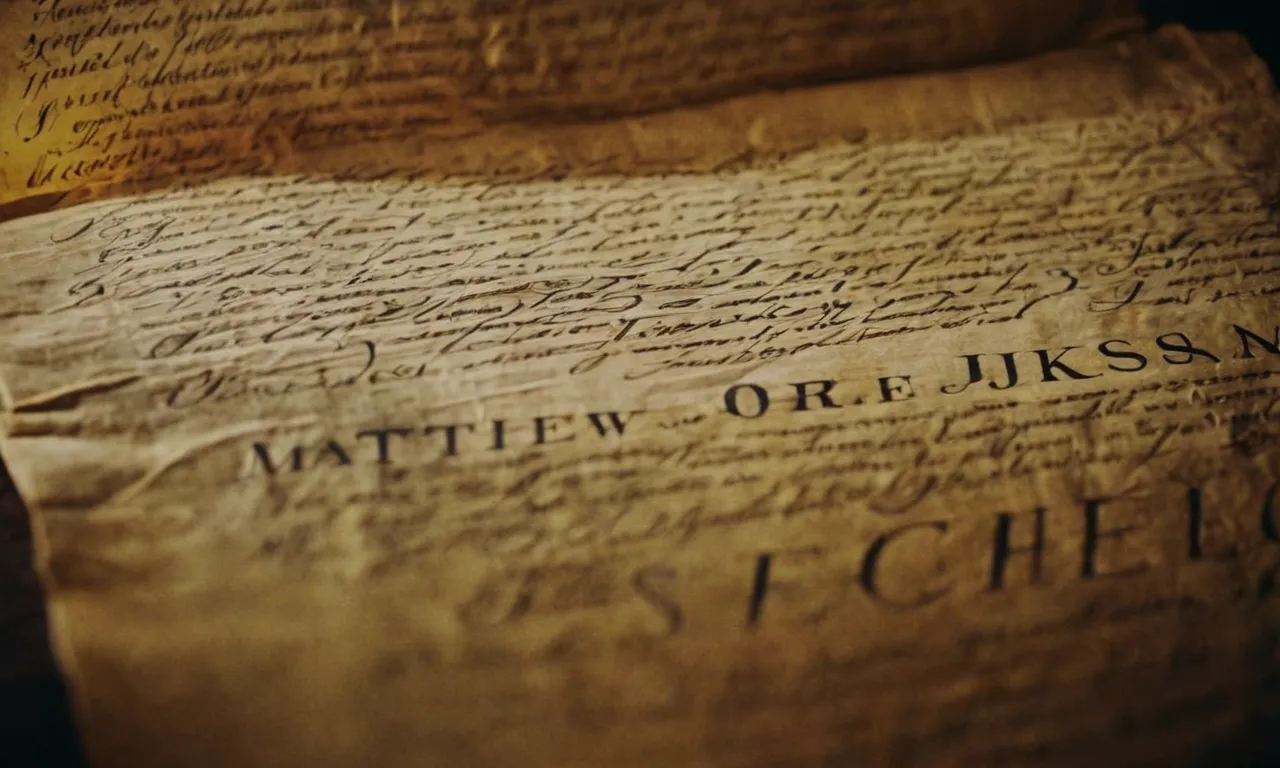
(953,448)
(161,91)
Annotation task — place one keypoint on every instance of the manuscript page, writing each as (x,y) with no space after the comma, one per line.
(163,91)
(950,439)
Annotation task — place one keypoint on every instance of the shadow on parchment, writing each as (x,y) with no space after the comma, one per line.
(36,728)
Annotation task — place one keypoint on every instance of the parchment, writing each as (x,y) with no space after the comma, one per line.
(159,92)
(724,467)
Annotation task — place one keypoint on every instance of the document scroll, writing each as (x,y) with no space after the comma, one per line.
(653,414)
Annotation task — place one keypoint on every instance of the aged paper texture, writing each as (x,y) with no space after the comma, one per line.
(162,91)
(953,448)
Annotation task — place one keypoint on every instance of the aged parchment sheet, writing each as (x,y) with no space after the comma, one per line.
(164,91)
(928,421)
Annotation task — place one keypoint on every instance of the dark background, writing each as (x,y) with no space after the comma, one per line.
(35,724)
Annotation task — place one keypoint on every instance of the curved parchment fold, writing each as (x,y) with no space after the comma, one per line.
(102,91)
